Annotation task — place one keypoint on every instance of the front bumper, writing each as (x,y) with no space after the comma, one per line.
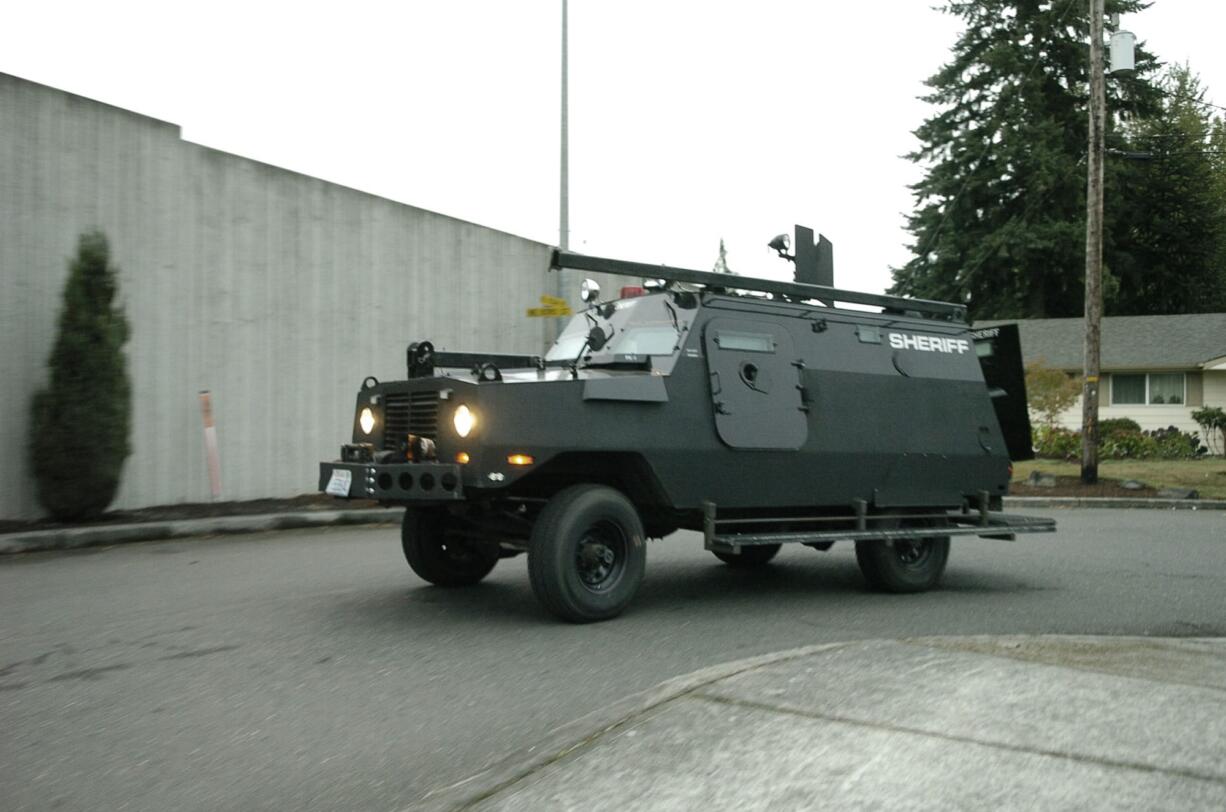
(395,482)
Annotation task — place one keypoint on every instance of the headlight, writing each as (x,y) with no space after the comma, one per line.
(367,420)
(589,291)
(463,420)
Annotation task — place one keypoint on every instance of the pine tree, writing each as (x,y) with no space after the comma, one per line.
(81,421)
(721,264)
(1217,163)
(1167,210)
(1000,214)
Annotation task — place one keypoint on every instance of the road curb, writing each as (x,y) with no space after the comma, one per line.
(71,538)
(1112,502)
(564,740)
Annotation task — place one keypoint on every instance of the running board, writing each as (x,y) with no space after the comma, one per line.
(720,534)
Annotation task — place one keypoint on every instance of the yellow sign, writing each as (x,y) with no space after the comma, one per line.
(554,301)
(539,312)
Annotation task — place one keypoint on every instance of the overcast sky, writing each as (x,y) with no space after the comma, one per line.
(690,121)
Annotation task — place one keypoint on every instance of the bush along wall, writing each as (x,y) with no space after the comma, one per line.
(80,423)
(1120,439)
(1212,421)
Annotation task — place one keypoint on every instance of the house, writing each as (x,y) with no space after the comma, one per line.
(1156,370)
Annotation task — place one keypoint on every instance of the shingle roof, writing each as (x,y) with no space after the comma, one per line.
(1128,342)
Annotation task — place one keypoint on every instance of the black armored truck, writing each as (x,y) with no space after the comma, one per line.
(757,412)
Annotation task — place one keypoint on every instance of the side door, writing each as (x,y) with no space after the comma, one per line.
(1000,356)
(755,377)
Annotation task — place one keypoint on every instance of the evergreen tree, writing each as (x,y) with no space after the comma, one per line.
(1217,163)
(721,264)
(81,421)
(1000,214)
(1168,225)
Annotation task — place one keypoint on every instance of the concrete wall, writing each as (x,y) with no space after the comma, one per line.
(276,291)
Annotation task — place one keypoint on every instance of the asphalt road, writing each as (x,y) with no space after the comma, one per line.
(311,669)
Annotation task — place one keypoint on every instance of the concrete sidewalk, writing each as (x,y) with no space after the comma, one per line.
(936,723)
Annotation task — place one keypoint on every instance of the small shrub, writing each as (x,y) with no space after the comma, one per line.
(1116,426)
(1212,421)
(1127,445)
(1056,443)
(80,422)
(1119,442)
(1172,444)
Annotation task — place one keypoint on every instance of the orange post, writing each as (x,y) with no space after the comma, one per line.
(210,443)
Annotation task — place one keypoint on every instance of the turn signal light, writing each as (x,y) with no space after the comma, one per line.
(520,459)
(462,458)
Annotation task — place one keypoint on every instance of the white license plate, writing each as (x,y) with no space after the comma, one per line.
(339,484)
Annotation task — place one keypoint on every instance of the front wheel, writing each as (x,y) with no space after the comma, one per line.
(903,565)
(438,553)
(587,554)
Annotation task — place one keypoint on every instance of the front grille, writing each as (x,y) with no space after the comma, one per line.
(406,413)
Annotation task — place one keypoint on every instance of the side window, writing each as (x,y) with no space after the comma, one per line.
(647,340)
(745,342)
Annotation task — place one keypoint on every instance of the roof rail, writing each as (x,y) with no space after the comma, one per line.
(791,290)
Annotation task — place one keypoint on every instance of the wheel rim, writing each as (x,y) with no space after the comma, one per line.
(913,554)
(457,551)
(600,556)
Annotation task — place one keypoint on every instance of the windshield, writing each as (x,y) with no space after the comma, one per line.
(647,340)
(641,326)
(567,347)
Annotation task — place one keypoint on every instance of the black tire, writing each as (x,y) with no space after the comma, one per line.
(904,565)
(440,555)
(750,556)
(587,554)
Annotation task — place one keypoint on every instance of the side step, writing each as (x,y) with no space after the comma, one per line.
(721,534)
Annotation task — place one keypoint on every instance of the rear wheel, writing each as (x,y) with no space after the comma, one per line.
(587,554)
(904,564)
(440,554)
(749,556)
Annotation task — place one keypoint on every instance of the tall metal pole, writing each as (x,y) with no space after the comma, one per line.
(564,180)
(1094,250)
(563,213)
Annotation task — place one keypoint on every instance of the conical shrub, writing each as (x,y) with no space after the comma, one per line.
(81,421)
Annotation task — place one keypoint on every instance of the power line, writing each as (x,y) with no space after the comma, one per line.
(1198,152)
(1148,136)
(1201,102)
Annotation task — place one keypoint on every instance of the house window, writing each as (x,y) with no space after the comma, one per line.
(1166,388)
(1156,388)
(1127,389)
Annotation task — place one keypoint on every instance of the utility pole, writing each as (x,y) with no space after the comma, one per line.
(1094,250)
(564,176)
(563,213)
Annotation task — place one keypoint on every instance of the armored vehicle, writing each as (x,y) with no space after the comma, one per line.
(754,411)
